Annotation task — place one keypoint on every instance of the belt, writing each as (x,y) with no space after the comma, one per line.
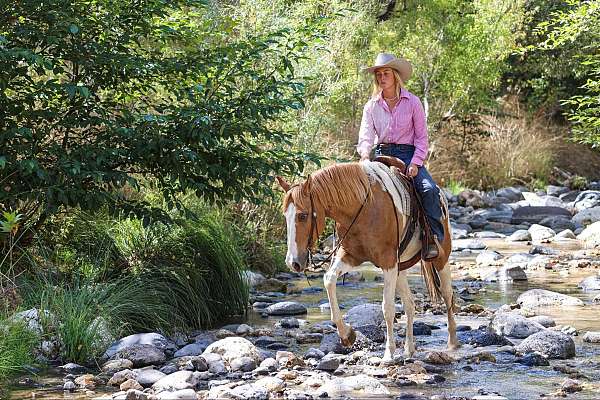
(408,146)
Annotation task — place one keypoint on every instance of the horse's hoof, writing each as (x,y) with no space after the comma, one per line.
(454,346)
(349,341)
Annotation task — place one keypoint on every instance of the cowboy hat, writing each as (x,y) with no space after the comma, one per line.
(386,60)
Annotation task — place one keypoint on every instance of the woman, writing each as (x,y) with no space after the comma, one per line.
(394,119)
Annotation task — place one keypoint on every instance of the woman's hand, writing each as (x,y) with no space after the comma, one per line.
(412,170)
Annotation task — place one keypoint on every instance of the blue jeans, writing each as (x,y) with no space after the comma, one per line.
(424,183)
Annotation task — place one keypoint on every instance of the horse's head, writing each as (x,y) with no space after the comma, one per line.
(304,222)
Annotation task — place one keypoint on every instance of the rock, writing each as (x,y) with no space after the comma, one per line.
(539,233)
(185,394)
(587,216)
(519,236)
(590,283)
(471,244)
(33,319)
(421,329)
(488,257)
(224,333)
(535,214)
(253,278)
(130,384)
(565,234)
(512,193)
(121,376)
(244,364)
(514,325)
(591,235)
(142,355)
(460,231)
(134,394)
(373,332)
(549,343)
(533,360)
(556,191)
(482,338)
(290,322)
(271,383)
(72,368)
(591,337)
(193,349)
(329,363)
(86,381)
(587,199)
(286,308)
(489,235)
(558,223)
(571,386)
(536,249)
(153,339)
(331,343)
(507,273)
(353,386)
(148,376)
(234,347)
(217,367)
(352,276)
(177,381)
(69,386)
(117,365)
(596,300)
(543,320)
(540,298)
(244,330)
(438,358)
(314,353)
(364,314)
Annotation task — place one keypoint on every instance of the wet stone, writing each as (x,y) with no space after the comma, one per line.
(286,308)
(551,344)
(483,337)
(265,341)
(328,363)
(314,354)
(591,337)
(289,322)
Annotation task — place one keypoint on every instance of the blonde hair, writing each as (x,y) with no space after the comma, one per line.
(397,80)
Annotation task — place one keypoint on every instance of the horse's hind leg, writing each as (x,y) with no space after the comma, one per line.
(448,295)
(388,306)
(409,309)
(346,333)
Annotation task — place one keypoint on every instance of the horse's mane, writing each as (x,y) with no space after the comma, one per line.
(341,184)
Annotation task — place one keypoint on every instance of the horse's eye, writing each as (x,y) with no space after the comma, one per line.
(302,217)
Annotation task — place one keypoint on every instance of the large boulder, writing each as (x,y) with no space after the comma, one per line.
(148,376)
(551,344)
(534,215)
(286,308)
(514,325)
(587,199)
(482,338)
(542,298)
(591,235)
(364,314)
(512,193)
(234,347)
(142,355)
(473,198)
(558,223)
(587,216)
(154,339)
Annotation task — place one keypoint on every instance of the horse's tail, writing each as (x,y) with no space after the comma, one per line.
(432,281)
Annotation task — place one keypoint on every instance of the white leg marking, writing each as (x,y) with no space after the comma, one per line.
(337,268)
(447,294)
(388,306)
(409,310)
(292,249)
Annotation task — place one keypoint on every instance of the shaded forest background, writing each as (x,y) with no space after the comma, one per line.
(139,140)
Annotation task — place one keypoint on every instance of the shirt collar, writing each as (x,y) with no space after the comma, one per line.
(403,93)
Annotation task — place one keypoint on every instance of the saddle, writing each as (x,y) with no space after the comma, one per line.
(398,167)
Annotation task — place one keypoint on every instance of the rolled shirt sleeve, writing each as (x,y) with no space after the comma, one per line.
(366,134)
(421,142)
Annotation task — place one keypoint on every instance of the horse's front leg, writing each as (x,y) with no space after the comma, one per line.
(388,306)
(409,309)
(345,331)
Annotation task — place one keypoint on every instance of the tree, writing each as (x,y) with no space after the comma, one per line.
(99,98)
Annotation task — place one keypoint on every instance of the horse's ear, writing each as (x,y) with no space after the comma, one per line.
(283,183)
(306,186)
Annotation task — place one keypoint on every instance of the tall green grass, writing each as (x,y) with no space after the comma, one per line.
(16,346)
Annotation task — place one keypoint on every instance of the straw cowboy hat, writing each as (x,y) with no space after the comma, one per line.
(386,60)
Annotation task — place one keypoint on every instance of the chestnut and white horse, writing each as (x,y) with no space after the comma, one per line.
(371,230)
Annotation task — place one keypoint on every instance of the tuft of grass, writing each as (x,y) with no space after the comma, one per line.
(16,347)
(455,187)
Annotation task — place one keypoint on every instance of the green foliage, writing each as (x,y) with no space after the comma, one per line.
(95,94)
(16,346)
(455,187)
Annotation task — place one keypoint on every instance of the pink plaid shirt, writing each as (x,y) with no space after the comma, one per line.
(405,124)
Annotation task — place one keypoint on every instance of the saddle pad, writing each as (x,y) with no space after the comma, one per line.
(378,172)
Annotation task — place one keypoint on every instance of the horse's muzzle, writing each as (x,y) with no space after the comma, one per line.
(297,264)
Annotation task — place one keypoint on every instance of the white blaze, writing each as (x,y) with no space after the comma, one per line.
(290,218)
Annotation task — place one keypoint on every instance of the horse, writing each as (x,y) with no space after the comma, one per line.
(370,229)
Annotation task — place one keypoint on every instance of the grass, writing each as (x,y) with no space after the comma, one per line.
(455,187)
(16,346)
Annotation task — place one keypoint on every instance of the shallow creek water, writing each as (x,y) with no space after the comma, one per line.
(506,378)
